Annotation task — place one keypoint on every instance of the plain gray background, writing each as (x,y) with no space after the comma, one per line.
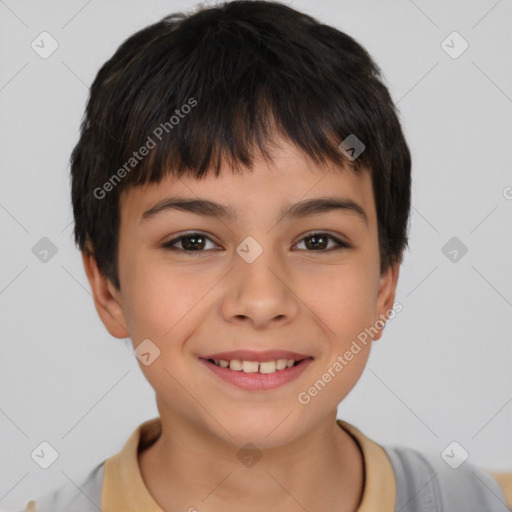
(441,372)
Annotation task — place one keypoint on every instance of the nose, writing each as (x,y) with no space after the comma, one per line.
(260,293)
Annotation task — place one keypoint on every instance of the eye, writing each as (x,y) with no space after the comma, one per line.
(190,242)
(197,242)
(318,241)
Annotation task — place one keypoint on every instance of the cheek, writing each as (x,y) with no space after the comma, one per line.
(159,298)
(164,305)
(344,298)
(345,312)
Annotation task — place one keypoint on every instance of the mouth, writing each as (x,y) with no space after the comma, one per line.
(257,371)
(247,366)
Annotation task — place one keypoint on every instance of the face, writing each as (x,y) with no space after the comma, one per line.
(198,285)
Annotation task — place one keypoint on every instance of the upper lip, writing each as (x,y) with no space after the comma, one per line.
(260,356)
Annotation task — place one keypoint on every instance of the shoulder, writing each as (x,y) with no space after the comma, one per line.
(82,496)
(426,483)
(505,481)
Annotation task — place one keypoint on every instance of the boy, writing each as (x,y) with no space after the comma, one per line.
(241,193)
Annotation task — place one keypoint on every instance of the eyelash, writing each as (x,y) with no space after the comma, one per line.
(341,244)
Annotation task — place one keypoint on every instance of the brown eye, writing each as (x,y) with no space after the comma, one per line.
(318,242)
(191,242)
(197,242)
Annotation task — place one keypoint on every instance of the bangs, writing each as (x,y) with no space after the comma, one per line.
(229,93)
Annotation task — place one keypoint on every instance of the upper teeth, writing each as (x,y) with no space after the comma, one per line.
(255,366)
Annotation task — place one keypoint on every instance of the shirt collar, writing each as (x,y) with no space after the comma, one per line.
(124,488)
(380,484)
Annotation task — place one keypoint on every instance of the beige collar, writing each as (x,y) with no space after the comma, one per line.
(124,488)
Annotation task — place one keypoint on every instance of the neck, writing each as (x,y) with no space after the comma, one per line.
(187,468)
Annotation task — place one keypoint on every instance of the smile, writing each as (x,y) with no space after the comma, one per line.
(254,366)
(256,375)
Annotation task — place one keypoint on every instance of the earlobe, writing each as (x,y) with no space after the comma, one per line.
(386,297)
(106,298)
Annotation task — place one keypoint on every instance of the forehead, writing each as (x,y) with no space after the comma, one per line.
(290,177)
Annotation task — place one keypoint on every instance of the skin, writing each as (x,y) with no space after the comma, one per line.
(292,297)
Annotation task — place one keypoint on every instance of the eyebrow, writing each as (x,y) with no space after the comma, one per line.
(301,209)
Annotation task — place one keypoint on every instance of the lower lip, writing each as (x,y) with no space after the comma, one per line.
(258,381)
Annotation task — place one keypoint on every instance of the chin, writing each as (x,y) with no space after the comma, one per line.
(263,432)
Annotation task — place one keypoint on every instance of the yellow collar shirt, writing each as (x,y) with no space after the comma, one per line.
(124,489)
(396,479)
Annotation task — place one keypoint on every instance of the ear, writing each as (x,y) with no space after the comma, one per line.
(385,297)
(106,297)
